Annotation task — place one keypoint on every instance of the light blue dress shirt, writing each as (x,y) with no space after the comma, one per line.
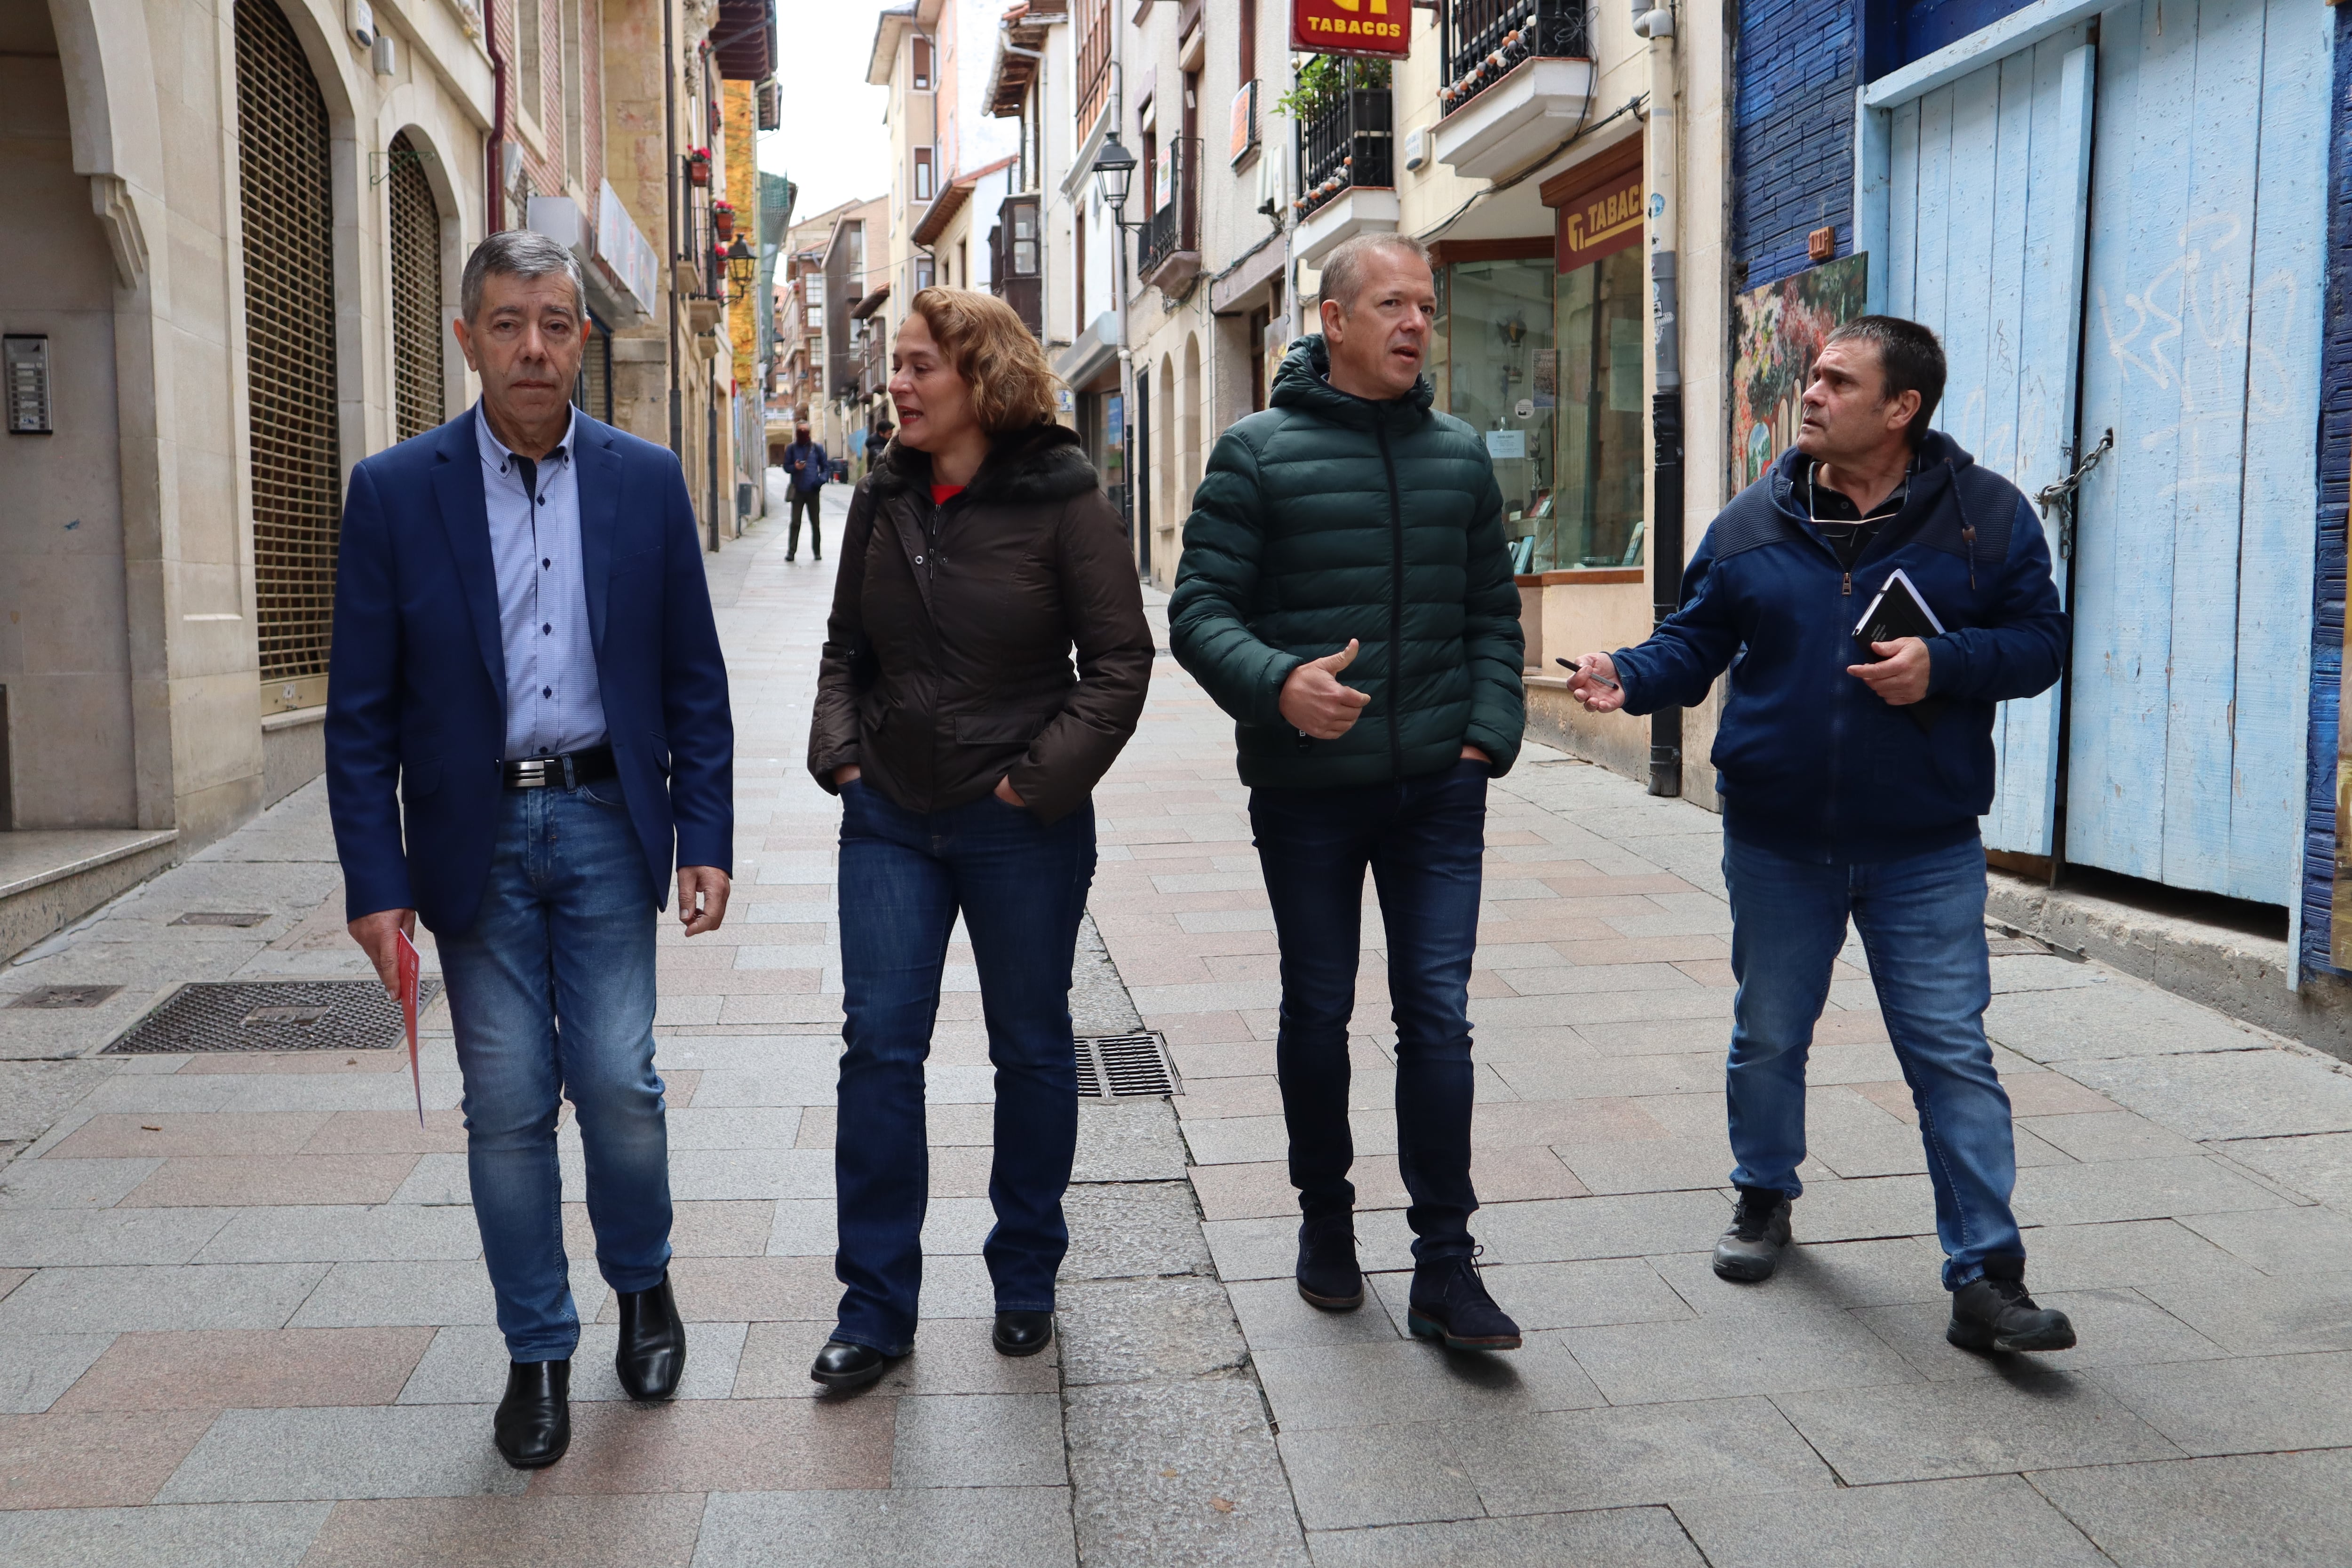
(553,705)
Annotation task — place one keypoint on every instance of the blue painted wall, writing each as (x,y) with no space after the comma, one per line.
(1793,82)
(2334,461)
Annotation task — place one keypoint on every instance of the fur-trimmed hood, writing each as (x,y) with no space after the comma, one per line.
(1041,465)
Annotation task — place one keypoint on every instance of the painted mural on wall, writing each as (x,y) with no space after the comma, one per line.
(2339,925)
(1777,331)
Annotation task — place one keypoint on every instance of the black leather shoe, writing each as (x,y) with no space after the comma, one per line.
(1328,1275)
(1023,1333)
(1994,1313)
(652,1356)
(1750,1250)
(1448,1301)
(533,1425)
(842,1366)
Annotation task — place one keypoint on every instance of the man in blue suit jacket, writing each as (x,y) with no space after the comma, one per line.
(527,718)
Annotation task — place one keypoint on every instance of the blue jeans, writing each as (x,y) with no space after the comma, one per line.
(1424,839)
(1922,924)
(1021,887)
(565,932)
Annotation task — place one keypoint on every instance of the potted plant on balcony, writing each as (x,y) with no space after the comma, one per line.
(722,218)
(1322,80)
(697,167)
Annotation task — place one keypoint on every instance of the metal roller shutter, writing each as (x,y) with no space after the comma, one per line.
(416,330)
(287,199)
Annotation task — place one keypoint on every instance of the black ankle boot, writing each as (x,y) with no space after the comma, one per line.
(842,1366)
(1994,1313)
(1750,1250)
(533,1425)
(1328,1275)
(652,1356)
(1448,1301)
(1021,1334)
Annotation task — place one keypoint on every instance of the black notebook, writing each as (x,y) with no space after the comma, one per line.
(1900,611)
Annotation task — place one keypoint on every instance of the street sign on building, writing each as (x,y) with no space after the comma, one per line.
(1377,27)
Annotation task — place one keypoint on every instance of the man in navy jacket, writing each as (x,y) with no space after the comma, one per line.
(1852,783)
(525,718)
(807,469)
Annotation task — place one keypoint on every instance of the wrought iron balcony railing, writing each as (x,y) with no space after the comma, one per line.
(1173,229)
(1352,142)
(1484,39)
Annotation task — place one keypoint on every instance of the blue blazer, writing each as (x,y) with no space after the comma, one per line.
(416,695)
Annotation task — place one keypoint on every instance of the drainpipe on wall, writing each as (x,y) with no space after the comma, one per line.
(1666,400)
(494,182)
(672,179)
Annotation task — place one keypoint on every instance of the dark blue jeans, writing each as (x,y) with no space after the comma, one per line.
(565,932)
(1921,921)
(1424,839)
(1021,887)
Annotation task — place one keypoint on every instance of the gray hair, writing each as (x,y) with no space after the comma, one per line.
(1343,268)
(518,253)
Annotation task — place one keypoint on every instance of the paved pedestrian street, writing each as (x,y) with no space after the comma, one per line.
(244,1320)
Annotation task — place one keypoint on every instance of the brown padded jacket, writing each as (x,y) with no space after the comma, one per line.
(947,661)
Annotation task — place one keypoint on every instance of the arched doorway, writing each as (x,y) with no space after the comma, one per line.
(417,339)
(286,195)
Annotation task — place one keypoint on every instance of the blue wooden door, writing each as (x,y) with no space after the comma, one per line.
(2194,553)
(1988,180)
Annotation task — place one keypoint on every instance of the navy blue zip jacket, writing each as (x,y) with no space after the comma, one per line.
(1810,761)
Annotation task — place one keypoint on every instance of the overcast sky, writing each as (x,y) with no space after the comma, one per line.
(833,145)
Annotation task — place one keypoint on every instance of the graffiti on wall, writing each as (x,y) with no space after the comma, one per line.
(1777,331)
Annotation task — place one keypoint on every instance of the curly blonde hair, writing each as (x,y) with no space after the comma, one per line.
(1011,384)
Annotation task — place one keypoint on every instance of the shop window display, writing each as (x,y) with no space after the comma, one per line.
(1596,510)
(1497,369)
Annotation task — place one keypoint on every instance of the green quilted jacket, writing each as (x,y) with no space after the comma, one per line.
(1329,517)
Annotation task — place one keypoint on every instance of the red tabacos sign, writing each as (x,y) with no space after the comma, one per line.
(1351,27)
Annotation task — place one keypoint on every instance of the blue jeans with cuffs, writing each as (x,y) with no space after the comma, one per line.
(1021,886)
(552,995)
(1921,921)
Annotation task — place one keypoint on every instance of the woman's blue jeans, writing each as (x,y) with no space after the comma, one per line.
(552,995)
(1022,887)
(1921,921)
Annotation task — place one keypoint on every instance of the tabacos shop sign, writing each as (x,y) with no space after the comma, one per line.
(1351,27)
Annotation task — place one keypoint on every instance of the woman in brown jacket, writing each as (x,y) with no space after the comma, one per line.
(980,553)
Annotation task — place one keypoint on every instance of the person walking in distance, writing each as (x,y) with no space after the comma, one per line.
(1346,595)
(526,714)
(1851,776)
(980,559)
(807,469)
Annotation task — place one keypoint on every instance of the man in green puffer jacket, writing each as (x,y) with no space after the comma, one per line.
(1350,531)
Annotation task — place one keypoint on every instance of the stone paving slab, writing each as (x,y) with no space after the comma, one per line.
(2283,1510)
(1601,1538)
(991,1528)
(1926,1524)
(262,1535)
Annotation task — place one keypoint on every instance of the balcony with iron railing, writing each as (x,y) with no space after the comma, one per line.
(1347,154)
(1349,141)
(1168,246)
(1518,77)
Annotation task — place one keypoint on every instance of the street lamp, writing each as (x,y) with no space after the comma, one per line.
(1114,174)
(740,264)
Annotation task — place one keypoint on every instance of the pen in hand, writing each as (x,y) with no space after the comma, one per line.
(1593,676)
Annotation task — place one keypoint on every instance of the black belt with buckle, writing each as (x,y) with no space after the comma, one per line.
(570,770)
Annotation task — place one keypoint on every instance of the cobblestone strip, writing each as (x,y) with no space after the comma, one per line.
(1173,1459)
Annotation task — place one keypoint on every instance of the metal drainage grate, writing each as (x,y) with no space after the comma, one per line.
(270,1015)
(240,919)
(54,996)
(1120,1066)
